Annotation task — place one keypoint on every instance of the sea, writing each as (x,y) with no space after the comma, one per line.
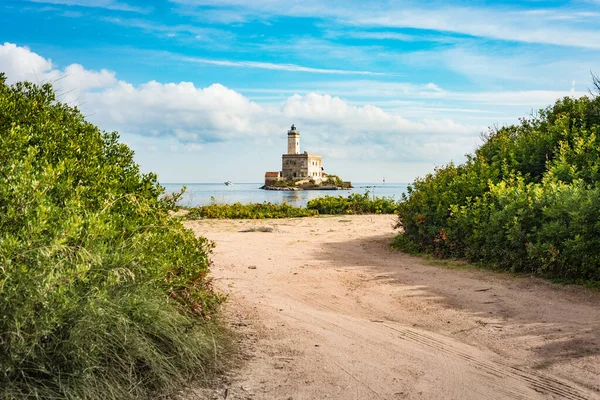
(198,194)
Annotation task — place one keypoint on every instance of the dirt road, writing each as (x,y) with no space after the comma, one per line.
(329,311)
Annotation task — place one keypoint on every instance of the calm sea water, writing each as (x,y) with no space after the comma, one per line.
(204,193)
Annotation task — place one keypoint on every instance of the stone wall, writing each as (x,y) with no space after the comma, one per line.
(300,166)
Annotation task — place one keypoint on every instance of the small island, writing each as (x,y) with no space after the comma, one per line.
(302,171)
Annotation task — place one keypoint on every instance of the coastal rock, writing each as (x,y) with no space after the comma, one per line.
(285,188)
(290,189)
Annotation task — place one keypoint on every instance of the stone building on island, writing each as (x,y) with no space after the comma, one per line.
(296,166)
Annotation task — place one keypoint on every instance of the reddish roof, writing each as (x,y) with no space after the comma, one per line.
(271,174)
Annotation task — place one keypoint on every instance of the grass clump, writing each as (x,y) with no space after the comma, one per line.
(528,200)
(249,211)
(102,294)
(353,204)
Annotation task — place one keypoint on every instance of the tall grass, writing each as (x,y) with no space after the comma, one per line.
(102,294)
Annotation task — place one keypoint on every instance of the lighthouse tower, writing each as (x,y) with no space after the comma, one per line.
(296,166)
(293,140)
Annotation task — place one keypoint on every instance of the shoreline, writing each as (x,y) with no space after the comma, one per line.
(295,189)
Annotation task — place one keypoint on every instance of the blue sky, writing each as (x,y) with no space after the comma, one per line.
(204,90)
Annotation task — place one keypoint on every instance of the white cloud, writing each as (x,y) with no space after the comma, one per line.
(20,63)
(402,94)
(193,118)
(434,87)
(525,66)
(346,119)
(377,35)
(76,77)
(559,26)
(278,67)
(106,4)
(495,24)
(211,35)
(191,114)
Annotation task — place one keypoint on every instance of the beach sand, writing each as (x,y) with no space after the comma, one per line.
(326,310)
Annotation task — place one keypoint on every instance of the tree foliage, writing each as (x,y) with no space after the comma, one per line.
(527,200)
(102,295)
(353,204)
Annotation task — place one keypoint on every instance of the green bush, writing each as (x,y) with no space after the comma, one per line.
(334,180)
(527,200)
(353,204)
(249,211)
(102,294)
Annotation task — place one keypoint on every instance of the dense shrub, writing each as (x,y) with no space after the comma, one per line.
(527,200)
(102,295)
(334,180)
(353,204)
(249,211)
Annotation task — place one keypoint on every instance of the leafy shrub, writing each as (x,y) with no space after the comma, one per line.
(353,204)
(249,211)
(527,200)
(334,180)
(102,295)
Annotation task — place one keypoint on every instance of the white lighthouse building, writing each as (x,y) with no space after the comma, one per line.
(296,166)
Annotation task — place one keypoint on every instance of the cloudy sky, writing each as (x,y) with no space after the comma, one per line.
(205,90)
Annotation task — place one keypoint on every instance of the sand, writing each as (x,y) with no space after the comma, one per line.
(327,310)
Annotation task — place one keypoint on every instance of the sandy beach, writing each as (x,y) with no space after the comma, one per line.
(327,310)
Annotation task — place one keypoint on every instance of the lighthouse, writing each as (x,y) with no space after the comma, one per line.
(296,166)
(293,140)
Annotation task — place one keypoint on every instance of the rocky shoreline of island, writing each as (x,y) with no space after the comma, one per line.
(298,188)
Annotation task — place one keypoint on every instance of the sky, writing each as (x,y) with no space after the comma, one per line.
(205,90)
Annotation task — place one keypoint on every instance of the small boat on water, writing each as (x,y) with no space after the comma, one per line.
(228,183)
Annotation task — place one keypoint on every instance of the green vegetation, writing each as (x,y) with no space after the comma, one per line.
(249,211)
(334,180)
(284,183)
(102,294)
(528,200)
(353,204)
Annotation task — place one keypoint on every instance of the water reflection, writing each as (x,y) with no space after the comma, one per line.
(292,197)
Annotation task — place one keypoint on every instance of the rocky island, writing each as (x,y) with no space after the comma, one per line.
(301,171)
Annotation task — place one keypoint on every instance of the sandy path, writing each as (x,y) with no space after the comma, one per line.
(330,312)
